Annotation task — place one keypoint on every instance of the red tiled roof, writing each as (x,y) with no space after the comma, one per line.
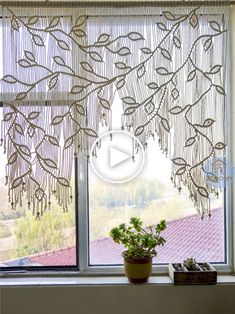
(61,257)
(186,237)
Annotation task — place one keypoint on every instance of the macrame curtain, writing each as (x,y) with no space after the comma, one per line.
(61,68)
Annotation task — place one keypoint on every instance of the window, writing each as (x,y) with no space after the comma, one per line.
(152,196)
(27,242)
(51,242)
(79,239)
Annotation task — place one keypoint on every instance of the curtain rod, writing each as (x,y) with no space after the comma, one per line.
(113,3)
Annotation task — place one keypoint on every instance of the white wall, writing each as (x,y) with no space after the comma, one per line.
(147,299)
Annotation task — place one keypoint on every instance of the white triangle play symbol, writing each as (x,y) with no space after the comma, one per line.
(116,157)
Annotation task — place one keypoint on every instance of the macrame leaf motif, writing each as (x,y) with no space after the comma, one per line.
(179,161)
(8,116)
(9,79)
(190,141)
(215,26)
(215,69)
(12,159)
(81,20)
(37,40)
(152,85)
(53,140)
(146,50)
(162,71)
(87,67)
(95,56)
(63,45)
(193,20)
(177,42)
(33,115)
(120,84)
(176,110)
(57,120)
(168,15)
(129,110)
(208,44)
(80,109)
(33,20)
(15,23)
(58,60)
(220,89)
(161,26)
(191,75)
(103,38)
(90,132)
(60,82)
(208,122)
(21,96)
(53,81)
(180,171)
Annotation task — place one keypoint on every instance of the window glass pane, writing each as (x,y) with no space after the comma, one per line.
(25,241)
(152,197)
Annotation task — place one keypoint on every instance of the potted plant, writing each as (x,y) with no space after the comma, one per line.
(191,272)
(140,244)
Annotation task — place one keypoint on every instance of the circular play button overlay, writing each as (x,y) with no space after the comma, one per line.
(117,156)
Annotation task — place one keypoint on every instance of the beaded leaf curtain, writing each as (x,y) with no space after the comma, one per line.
(61,69)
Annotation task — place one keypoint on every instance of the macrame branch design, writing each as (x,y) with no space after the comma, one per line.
(94,77)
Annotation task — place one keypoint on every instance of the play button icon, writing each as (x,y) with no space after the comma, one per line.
(117,156)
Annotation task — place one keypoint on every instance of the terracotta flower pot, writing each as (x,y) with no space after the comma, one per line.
(138,270)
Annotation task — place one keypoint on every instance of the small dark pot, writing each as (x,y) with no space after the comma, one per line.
(138,270)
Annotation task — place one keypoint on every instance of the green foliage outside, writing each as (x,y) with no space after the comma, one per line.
(109,206)
(52,231)
(139,192)
(102,218)
(6,211)
(4,231)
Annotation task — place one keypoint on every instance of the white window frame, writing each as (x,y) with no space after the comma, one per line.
(83,226)
(83,200)
(83,197)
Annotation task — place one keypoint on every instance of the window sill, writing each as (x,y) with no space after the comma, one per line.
(90,281)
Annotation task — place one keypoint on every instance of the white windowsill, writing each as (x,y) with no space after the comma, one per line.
(84,281)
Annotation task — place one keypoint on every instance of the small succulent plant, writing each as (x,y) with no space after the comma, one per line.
(190,263)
